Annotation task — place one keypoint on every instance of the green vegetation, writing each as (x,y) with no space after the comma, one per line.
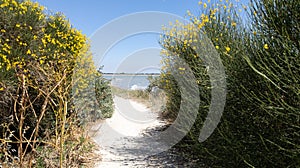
(46,69)
(104,97)
(138,95)
(260,123)
(143,96)
(49,86)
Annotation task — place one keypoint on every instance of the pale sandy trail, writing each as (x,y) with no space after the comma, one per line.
(120,137)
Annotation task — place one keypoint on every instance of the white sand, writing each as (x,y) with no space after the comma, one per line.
(117,136)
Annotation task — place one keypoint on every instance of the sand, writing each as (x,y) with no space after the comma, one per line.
(121,138)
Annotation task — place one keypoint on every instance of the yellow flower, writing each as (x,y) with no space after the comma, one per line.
(4,5)
(227,49)
(185,42)
(204,5)
(44,42)
(254,33)
(233,24)
(3,31)
(7,46)
(6,50)
(28,52)
(53,41)
(1,89)
(206,19)
(18,25)
(15,64)
(266,46)
(182,69)
(8,66)
(217,47)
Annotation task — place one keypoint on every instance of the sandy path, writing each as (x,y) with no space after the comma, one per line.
(121,137)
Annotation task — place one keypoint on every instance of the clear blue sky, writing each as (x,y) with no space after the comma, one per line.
(90,15)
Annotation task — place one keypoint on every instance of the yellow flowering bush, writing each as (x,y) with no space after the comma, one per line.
(38,56)
(219,24)
(261,61)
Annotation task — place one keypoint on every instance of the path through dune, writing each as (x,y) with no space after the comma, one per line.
(121,136)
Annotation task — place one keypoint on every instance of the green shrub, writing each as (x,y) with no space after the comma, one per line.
(104,96)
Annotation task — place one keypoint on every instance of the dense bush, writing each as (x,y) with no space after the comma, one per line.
(104,96)
(274,55)
(92,97)
(260,123)
(45,63)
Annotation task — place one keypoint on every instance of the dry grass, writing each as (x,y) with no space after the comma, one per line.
(80,151)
